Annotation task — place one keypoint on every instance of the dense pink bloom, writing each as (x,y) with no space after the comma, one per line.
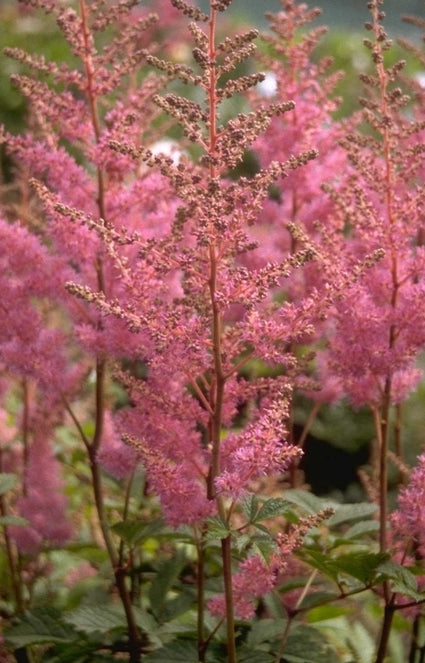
(253,580)
(259,450)
(408,521)
(117,458)
(43,504)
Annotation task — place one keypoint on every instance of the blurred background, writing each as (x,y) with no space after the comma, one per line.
(349,15)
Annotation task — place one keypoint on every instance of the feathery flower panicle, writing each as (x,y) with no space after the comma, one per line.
(408,520)
(253,580)
(42,501)
(118,459)
(379,328)
(196,343)
(259,450)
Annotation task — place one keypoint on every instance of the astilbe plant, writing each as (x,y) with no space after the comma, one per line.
(299,199)
(202,290)
(379,325)
(170,281)
(53,354)
(220,318)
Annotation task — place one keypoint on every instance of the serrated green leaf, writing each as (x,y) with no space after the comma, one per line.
(307,645)
(242,542)
(175,652)
(360,565)
(348,512)
(136,531)
(167,574)
(217,529)
(266,630)
(403,580)
(94,618)
(263,546)
(7,482)
(250,507)
(144,620)
(42,625)
(275,506)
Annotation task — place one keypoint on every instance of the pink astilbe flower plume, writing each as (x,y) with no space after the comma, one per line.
(43,505)
(379,327)
(408,521)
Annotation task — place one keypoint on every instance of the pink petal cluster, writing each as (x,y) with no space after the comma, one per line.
(253,580)
(408,521)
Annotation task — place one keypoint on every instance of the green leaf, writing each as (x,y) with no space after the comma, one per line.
(263,545)
(242,542)
(360,565)
(177,606)
(403,580)
(175,652)
(80,651)
(306,501)
(275,506)
(42,625)
(144,620)
(265,630)
(167,574)
(217,529)
(247,655)
(326,611)
(13,520)
(323,563)
(360,642)
(274,605)
(7,482)
(136,531)
(307,645)
(349,512)
(250,507)
(96,618)
(360,529)
(263,528)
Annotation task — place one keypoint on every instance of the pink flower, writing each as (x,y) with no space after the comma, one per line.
(43,504)
(116,457)
(408,521)
(253,580)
